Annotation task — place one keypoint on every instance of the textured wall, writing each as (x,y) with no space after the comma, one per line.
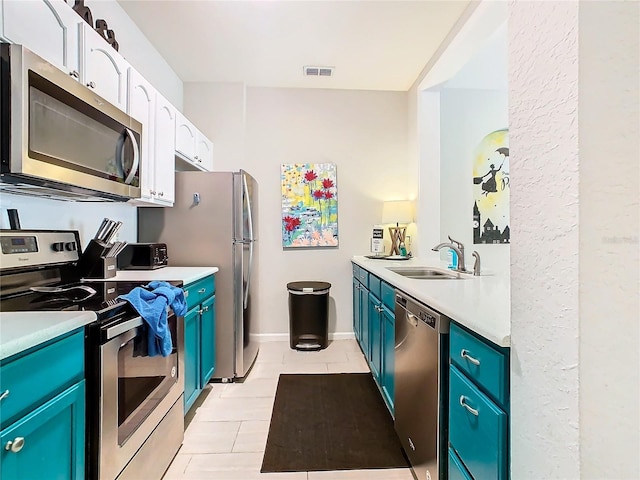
(609,126)
(543,108)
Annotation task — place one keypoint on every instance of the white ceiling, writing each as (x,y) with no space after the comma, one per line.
(373,45)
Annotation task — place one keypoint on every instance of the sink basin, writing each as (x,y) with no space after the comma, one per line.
(426,273)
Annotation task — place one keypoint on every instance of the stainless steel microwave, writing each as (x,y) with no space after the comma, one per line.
(60,139)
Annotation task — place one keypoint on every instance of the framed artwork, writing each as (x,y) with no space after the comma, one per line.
(309,205)
(491,190)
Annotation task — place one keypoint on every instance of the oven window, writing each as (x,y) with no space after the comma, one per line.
(143,381)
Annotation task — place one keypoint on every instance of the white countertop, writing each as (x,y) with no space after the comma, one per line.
(20,331)
(186,275)
(481,304)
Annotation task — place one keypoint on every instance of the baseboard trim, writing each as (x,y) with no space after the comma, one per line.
(284,337)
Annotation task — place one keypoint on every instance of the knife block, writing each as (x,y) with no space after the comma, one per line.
(94,263)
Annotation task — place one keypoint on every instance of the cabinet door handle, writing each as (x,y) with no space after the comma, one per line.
(463,403)
(91,84)
(202,290)
(206,309)
(4,395)
(465,354)
(16,445)
(161,194)
(74,74)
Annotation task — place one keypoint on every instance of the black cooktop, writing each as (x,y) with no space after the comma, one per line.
(103,302)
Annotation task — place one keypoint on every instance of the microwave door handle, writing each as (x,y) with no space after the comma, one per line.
(120,157)
(136,158)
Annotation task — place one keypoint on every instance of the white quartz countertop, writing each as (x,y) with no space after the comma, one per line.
(186,275)
(481,304)
(20,331)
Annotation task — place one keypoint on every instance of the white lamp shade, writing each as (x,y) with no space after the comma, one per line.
(398,211)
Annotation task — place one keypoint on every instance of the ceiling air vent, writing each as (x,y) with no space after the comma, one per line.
(310,71)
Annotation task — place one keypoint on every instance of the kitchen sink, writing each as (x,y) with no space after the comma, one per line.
(426,273)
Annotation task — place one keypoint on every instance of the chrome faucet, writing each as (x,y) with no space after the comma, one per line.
(457,247)
(476,264)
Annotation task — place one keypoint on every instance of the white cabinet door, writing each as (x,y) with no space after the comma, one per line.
(204,152)
(185,137)
(103,69)
(165,151)
(142,106)
(48,28)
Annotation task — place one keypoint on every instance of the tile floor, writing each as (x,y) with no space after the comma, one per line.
(228,427)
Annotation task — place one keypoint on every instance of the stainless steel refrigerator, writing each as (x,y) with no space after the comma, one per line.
(214,222)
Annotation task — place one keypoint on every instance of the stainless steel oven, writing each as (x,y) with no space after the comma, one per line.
(134,403)
(137,394)
(60,138)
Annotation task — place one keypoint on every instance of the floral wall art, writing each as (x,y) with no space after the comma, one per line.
(309,205)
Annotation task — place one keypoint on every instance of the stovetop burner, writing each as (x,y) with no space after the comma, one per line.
(104,302)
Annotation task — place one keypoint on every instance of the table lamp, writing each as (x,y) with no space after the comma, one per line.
(398,212)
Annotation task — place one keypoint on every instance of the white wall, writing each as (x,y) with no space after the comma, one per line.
(466,117)
(575,210)
(609,212)
(39,213)
(544,149)
(363,133)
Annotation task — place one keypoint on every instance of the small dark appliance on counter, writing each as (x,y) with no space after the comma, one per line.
(143,256)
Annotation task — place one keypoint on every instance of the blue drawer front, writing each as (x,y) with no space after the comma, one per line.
(374,285)
(482,363)
(196,292)
(388,296)
(40,375)
(356,271)
(456,468)
(480,440)
(363,276)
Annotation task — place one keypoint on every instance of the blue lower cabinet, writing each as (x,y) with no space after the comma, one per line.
(199,338)
(478,429)
(375,336)
(388,356)
(49,442)
(357,314)
(456,468)
(191,356)
(207,340)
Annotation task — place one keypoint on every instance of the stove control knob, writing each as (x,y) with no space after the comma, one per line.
(70,246)
(58,246)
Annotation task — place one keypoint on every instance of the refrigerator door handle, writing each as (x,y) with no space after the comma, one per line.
(248,200)
(246,290)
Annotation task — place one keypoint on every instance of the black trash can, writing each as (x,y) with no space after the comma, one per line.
(308,315)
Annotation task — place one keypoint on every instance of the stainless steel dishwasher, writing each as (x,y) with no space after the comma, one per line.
(421,386)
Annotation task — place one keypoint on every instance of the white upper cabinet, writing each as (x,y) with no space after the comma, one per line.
(185,137)
(48,28)
(142,106)
(204,152)
(165,151)
(191,144)
(157,116)
(102,68)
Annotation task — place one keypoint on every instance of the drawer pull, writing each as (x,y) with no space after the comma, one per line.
(464,404)
(202,290)
(465,354)
(16,445)
(4,395)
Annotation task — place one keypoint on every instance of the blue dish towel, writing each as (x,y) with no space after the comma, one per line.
(152,307)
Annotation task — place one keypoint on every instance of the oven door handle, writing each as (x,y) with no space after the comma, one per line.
(116,330)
